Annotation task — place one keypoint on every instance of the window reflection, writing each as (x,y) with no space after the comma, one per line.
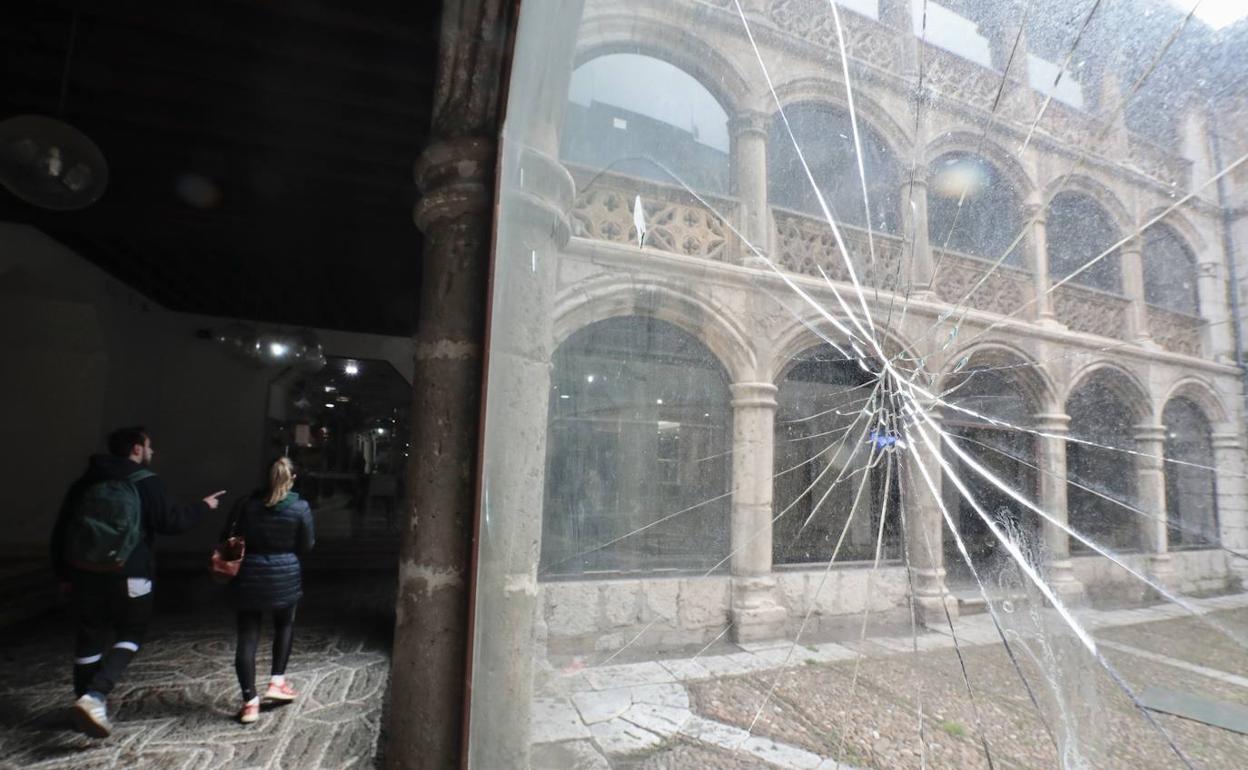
(639,431)
(617,121)
(1079,230)
(972,208)
(825,134)
(820,449)
(1191,495)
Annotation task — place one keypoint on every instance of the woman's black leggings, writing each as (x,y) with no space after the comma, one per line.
(249,623)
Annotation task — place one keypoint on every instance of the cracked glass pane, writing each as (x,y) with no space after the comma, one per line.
(864,387)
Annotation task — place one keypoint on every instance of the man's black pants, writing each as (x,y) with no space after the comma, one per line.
(112,622)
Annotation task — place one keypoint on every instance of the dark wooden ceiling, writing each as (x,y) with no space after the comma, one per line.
(298,122)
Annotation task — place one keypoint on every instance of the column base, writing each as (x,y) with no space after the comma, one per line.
(1063,582)
(931,610)
(1051,323)
(756,615)
(1161,570)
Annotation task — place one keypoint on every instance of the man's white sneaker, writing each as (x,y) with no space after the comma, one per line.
(91,717)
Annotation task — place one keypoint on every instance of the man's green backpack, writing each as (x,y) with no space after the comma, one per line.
(106,524)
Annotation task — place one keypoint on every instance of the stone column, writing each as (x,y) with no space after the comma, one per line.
(1228,458)
(1150,442)
(1132,263)
(916,259)
(1052,463)
(749,180)
(756,613)
(1037,214)
(1211,292)
(925,527)
(535,197)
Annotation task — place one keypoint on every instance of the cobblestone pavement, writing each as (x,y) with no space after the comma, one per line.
(768,706)
(175,707)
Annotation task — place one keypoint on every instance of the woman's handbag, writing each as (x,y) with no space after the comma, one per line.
(227,556)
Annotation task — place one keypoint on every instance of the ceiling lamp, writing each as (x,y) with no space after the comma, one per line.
(49,163)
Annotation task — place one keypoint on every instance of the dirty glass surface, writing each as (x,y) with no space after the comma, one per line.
(864,388)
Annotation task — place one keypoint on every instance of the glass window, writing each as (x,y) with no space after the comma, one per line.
(1169,271)
(1078,230)
(822,462)
(637,466)
(1008,454)
(1101,473)
(826,137)
(1191,494)
(973,209)
(618,122)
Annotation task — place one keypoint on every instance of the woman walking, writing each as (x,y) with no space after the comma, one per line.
(277,528)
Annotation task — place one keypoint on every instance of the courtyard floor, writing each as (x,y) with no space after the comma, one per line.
(767,705)
(174,709)
(808,706)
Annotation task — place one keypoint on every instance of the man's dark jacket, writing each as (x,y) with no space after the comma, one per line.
(161,515)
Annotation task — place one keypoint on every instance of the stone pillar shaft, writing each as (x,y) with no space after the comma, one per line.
(925,526)
(1232,500)
(455,175)
(755,611)
(1212,297)
(749,180)
(1040,265)
(1150,442)
(917,262)
(1133,286)
(1052,462)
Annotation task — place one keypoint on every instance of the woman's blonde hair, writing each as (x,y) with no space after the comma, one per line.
(281,479)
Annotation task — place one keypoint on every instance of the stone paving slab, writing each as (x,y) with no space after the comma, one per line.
(632,709)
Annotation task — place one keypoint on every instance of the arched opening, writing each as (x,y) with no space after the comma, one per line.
(1191,487)
(972,208)
(637,463)
(821,457)
(1169,271)
(989,393)
(1101,474)
(825,134)
(1079,230)
(618,121)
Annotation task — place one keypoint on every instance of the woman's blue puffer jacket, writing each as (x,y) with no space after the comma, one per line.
(276,538)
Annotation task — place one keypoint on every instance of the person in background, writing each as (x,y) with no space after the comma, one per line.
(276,526)
(103,553)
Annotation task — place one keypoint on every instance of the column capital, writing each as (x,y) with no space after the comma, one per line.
(1037,213)
(1227,441)
(456,179)
(750,122)
(755,394)
(1133,245)
(1052,422)
(1149,433)
(917,174)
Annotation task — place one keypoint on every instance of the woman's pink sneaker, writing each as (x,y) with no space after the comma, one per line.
(250,712)
(280,692)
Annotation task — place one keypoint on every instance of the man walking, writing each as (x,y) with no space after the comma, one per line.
(103,547)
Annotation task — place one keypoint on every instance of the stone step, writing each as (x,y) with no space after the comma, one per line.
(972,601)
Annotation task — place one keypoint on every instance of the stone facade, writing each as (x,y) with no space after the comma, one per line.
(701,270)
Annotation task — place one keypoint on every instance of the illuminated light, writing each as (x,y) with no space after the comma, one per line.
(963,176)
(329,406)
(589,378)
(658,401)
(330,389)
(381,431)
(278,349)
(565,395)
(351,368)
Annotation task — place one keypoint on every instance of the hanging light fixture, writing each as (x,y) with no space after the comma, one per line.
(49,163)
